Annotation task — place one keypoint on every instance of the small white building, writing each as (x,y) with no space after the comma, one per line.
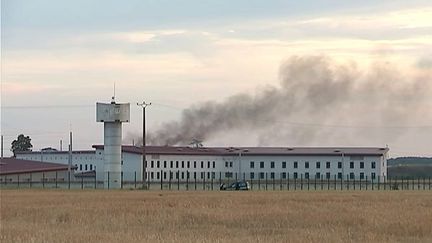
(205,163)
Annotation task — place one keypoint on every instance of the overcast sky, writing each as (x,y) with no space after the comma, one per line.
(60,57)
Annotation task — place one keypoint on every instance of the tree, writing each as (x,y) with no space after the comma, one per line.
(22,143)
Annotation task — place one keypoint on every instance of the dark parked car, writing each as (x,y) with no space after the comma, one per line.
(236,186)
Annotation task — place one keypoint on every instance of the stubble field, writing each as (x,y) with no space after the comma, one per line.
(151,216)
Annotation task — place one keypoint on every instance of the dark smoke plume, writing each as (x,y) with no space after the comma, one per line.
(314,91)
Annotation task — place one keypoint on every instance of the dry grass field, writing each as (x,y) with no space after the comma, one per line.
(140,216)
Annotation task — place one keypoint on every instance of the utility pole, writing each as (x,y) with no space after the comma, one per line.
(144,164)
(70,157)
(2,146)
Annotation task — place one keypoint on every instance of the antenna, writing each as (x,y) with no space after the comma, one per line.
(113,98)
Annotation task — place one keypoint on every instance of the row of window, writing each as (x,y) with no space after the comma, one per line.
(182,175)
(307,165)
(261,175)
(85,167)
(318,175)
(182,164)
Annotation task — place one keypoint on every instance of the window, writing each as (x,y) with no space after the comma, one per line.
(272,175)
(214,164)
(318,175)
(272,164)
(328,165)
(202,165)
(352,165)
(85,166)
(158,164)
(373,176)
(228,174)
(164,174)
(165,164)
(226,164)
(80,166)
(284,175)
(261,175)
(182,175)
(318,165)
(262,164)
(194,175)
(283,165)
(339,165)
(202,174)
(151,175)
(362,165)
(295,164)
(208,164)
(307,165)
(182,165)
(295,175)
(208,175)
(91,167)
(231,164)
(373,165)
(252,164)
(171,164)
(151,164)
(177,164)
(194,164)
(307,175)
(351,175)
(252,175)
(339,175)
(188,164)
(213,175)
(328,175)
(362,175)
(157,175)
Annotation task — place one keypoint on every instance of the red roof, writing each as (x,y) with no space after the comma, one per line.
(231,151)
(19,166)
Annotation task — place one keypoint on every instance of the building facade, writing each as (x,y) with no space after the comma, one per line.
(249,163)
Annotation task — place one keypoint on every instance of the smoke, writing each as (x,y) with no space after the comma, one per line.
(317,99)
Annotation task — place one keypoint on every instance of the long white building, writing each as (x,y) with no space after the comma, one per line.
(250,163)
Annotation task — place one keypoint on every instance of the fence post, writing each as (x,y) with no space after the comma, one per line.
(315,183)
(18,181)
(121,180)
(301,182)
(220,178)
(295,183)
(56,179)
(266,182)
(82,182)
(95,180)
(108,183)
(187,180)
(418,183)
(341,182)
(322,182)
(335,182)
(308,183)
(69,179)
(169,180)
(328,183)
(178,180)
(43,179)
(366,183)
(204,174)
(161,180)
(429,183)
(280,181)
(288,186)
(30,181)
(211,174)
(354,182)
(259,181)
(195,181)
(135,179)
(274,182)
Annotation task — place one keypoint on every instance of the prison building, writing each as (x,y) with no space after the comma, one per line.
(249,163)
